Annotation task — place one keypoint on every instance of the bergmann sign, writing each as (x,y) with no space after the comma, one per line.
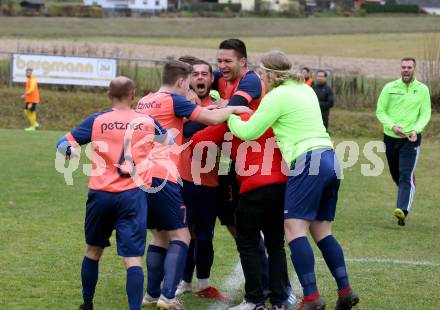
(64,70)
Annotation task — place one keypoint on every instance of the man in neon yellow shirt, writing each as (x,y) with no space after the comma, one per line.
(291,109)
(404,109)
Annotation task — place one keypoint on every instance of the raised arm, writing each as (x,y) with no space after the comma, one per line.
(217,116)
(266,115)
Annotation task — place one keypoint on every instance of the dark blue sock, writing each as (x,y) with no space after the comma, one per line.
(334,258)
(135,287)
(173,267)
(304,263)
(89,278)
(155,269)
(264,264)
(190,264)
(204,258)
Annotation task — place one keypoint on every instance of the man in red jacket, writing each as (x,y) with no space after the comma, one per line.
(260,209)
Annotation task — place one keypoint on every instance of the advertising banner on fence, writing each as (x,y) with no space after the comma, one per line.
(64,70)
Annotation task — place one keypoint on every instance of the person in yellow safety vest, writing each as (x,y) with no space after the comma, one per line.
(31,98)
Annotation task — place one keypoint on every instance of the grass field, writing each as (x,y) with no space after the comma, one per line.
(42,239)
(210,27)
(41,223)
(373,37)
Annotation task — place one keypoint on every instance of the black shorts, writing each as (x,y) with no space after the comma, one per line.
(30,106)
(201,205)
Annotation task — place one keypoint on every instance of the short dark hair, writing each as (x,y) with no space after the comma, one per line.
(409,59)
(121,87)
(191,60)
(307,69)
(234,44)
(188,59)
(323,71)
(202,62)
(174,70)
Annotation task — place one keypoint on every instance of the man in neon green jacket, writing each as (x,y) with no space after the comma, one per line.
(404,109)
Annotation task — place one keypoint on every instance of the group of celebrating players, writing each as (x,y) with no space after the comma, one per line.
(248,148)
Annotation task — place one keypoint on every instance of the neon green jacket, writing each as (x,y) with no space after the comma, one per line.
(407,106)
(214,94)
(292,110)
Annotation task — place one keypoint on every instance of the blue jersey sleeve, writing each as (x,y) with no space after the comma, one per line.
(182,106)
(251,85)
(83,133)
(161,135)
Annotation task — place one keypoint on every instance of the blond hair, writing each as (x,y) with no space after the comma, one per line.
(279,69)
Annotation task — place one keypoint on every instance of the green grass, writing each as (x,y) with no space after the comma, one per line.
(41,233)
(210,27)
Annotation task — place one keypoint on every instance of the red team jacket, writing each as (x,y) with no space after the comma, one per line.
(270,173)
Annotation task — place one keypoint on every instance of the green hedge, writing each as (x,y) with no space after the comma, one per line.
(74,10)
(391,8)
(213,7)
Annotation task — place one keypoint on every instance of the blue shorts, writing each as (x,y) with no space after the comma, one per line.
(229,191)
(311,195)
(201,208)
(126,212)
(30,106)
(166,209)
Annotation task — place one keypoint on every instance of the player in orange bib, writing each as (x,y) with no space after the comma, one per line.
(168,248)
(122,141)
(31,99)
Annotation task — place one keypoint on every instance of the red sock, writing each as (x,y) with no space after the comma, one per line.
(344,292)
(310,298)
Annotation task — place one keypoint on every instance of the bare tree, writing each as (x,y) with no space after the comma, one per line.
(431,67)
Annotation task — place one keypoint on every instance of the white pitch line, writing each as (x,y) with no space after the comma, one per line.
(389,261)
(230,286)
(235,279)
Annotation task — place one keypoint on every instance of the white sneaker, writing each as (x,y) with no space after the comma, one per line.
(149,301)
(184,287)
(169,304)
(247,305)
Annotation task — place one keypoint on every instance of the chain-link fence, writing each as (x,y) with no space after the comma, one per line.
(145,72)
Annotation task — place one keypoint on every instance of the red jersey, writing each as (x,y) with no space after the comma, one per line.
(187,170)
(255,167)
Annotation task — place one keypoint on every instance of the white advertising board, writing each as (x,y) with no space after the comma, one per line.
(64,70)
